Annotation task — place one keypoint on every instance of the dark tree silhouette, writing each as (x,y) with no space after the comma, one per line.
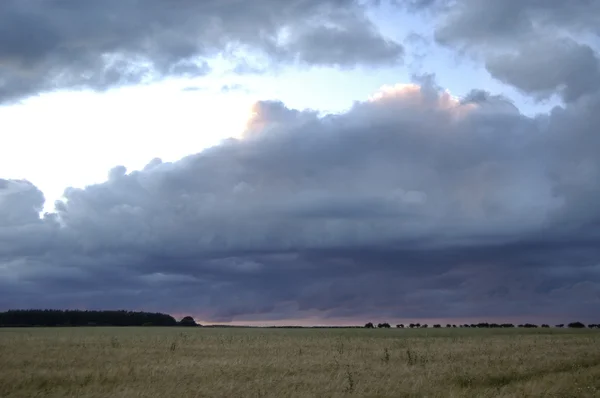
(437,326)
(560,325)
(400,326)
(83,318)
(424,326)
(369,325)
(545,325)
(576,325)
(384,325)
(187,321)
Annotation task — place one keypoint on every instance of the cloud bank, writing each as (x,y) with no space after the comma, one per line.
(411,204)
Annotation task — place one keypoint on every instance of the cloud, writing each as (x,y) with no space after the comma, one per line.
(234,87)
(344,45)
(66,44)
(20,202)
(540,47)
(546,68)
(418,47)
(410,204)
(489,22)
(191,89)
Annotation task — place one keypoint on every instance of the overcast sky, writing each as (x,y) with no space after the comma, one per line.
(307,161)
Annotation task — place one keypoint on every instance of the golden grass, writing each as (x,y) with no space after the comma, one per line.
(203,362)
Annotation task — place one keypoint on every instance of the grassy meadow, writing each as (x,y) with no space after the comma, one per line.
(212,362)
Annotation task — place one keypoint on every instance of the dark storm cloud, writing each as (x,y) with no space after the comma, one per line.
(412,204)
(70,44)
(540,47)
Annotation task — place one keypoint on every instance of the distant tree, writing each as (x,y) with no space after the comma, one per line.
(400,326)
(412,325)
(545,325)
(593,325)
(453,326)
(560,325)
(369,325)
(424,326)
(187,321)
(437,326)
(576,325)
(384,325)
(448,325)
(417,325)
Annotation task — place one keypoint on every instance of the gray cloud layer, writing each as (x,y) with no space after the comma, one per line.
(66,44)
(413,204)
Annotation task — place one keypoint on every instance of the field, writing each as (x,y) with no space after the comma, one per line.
(207,362)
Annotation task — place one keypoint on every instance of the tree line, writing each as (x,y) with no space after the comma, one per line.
(574,325)
(22,318)
(36,317)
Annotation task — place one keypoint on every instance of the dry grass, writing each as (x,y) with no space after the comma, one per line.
(200,362)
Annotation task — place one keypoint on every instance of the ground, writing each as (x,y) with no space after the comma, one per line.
(210,362)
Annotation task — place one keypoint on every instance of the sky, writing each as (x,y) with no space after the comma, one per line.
(309,162)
